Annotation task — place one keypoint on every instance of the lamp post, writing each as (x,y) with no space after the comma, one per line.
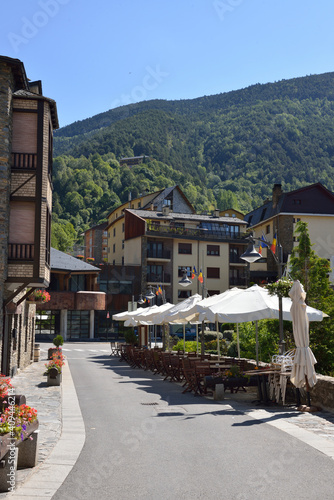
(185,281)
(251,255)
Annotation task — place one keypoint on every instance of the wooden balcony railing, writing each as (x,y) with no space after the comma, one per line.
(26,161)
(21,251)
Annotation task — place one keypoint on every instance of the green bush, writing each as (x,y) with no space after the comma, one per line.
(130,337)
(58,341)
(190,346)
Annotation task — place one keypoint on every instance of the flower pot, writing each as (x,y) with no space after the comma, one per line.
(54,377)
(51,351)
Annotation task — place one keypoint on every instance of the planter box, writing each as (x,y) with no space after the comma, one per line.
(51,351)
(54,377)
(6,440)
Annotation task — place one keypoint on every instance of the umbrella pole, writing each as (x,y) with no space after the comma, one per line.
(184,337)
(257,344)
(308,392)
(218,346)
(197,336)
(238,341)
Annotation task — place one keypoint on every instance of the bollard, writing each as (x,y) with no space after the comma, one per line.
(37,352)
(218,394)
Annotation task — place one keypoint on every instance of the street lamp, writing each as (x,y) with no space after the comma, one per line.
(185,281)
(251,255)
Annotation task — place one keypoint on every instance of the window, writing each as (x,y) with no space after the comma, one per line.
(213,272)
(263,213)
(296,202)
(181,269)
(183,294)
(185,248)
(122,244)
(114,232)
(213,250)
(123,227)
(114,248)
(122,261)
(139,204)
(268,229)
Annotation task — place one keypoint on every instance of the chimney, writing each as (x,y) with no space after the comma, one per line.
(165,210)
(216,212)
(277,191)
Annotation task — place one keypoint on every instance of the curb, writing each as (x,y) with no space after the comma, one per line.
(50,475)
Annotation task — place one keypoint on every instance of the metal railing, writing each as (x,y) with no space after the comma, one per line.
(163,254)
(192,233)
(158,278)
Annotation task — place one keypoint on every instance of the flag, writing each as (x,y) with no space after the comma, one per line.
(200,276)
(157,291)
(263,244)
(160,291)
(193,273)
(273,245)
(108,315)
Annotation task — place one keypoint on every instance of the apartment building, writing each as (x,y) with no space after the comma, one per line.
(96,243)
(27,121)
(164,236)
(277,218)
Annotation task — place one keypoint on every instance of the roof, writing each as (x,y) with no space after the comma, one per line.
(27,94)
(21,80)
(63,262)
(174,216)
(314,199)
(98,227)
(162,195)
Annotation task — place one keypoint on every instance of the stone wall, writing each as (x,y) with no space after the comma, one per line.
(6,86)
(322,394)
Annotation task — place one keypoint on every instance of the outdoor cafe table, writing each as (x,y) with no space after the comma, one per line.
(262,382)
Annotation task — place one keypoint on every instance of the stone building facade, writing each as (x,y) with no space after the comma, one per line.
(27,121)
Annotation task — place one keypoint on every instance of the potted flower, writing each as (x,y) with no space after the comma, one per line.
(39,296)
(58,342)
(54,369)
(5,384)
(16,422)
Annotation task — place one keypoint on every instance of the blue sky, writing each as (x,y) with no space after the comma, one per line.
(95,55)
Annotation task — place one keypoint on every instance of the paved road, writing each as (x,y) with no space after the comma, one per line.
(147,440)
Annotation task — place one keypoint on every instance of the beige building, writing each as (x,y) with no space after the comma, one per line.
(313,204)
(162,234)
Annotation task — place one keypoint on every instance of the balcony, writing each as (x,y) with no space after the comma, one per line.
(158,278)
(21,251)
(189,233)
(162,255)
(238,282)
(24,161)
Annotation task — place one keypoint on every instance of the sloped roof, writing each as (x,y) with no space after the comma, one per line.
(175,216)
(163,195)
(61,261)
(313,199)
(27,94)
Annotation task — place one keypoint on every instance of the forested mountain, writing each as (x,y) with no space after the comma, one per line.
(223,150)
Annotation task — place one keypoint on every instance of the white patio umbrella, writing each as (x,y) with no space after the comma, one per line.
(251,304)
(174,314)
(123,316)
(303,372)
(148,315)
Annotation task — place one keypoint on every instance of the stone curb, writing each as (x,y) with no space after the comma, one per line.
(46,478)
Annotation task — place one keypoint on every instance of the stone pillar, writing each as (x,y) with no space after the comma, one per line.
(91,324)
(63,323)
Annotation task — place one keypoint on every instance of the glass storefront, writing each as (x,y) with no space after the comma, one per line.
(77,325)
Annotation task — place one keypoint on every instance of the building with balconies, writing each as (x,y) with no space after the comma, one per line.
(165,236)
(73,310)
(27,121)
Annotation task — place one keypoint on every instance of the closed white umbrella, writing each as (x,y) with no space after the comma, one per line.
(303,372)
(123,316)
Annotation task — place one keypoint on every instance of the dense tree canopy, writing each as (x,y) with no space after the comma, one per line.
(224,151)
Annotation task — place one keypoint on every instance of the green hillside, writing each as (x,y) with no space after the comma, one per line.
(222,150)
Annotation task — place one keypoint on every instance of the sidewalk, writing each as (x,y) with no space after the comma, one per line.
(62,431)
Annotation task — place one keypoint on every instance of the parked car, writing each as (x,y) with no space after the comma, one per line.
(190,333)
